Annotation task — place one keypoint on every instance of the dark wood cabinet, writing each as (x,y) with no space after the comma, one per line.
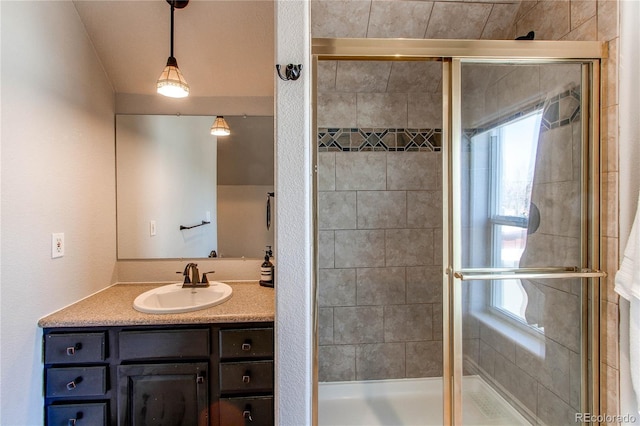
(217,375)
(163,394)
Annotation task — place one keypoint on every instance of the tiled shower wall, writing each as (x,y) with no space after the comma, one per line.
(380,285)
(380,220)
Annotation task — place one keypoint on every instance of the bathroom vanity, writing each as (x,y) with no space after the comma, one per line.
(107,364)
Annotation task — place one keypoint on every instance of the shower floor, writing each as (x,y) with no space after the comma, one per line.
(409,402)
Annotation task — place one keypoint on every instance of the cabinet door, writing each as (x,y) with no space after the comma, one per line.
(163,394)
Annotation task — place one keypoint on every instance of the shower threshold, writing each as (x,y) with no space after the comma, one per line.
(409,402)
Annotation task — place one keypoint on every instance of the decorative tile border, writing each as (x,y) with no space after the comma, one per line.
(369,139)
(560,110)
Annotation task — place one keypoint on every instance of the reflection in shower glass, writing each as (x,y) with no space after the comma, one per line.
(512,161)
(521,208)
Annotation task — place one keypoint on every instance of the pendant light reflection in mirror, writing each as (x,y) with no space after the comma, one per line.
(220,127)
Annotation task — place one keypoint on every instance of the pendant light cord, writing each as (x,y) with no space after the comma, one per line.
(172,9)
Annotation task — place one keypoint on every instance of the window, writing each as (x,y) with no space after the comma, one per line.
(512,156)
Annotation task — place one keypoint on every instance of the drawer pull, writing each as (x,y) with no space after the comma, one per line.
(71,350)
(200,379)
(246,379)
(74,383)
(247,415)
(246,346)
(72,422)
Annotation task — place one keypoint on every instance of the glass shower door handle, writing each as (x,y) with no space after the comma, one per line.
(527,273)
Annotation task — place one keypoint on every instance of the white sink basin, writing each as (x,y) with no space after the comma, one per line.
(172,298)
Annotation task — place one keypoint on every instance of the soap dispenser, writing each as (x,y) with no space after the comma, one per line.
(266,270)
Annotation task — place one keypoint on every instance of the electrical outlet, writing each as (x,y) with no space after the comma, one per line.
(57,245)
(152,228)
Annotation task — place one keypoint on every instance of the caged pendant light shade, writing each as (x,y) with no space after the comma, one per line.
(171,82)
(220,127)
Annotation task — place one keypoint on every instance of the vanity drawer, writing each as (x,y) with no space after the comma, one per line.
(246,343)
(74,348)
(76,381)
(254,376)
(255,411)
(158,344)
(77,414)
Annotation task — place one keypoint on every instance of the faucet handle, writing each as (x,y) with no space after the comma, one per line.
(187,280)
(205,279)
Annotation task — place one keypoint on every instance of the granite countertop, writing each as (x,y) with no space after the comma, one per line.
(113,306)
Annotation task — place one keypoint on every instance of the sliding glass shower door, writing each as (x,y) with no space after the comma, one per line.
(458,231)
(522,195)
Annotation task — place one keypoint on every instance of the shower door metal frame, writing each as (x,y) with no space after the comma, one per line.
(452,53)
(588,271)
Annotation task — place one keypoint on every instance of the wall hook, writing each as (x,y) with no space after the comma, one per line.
(292,72)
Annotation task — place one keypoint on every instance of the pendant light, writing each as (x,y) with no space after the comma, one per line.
(220,127)
(171,82)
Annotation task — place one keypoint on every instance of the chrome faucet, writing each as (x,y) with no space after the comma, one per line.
(192,276)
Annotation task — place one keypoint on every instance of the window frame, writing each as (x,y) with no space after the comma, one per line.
(495,221)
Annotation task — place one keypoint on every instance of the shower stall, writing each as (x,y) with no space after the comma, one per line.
(457,200)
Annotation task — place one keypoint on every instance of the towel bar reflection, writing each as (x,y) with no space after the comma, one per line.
(269,195)
(204,222)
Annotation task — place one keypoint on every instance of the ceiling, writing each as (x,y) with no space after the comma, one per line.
(226,48)
(223,48)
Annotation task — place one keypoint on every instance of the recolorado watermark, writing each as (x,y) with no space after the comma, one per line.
(604,418)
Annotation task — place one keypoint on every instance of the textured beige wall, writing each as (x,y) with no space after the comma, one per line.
(57,176)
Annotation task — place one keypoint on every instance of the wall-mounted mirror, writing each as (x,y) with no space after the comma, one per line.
(183,193)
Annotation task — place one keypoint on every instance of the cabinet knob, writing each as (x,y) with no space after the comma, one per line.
(200,379)
(74,383)
(246,379)
(71,350)
(246,346)
(246,414)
